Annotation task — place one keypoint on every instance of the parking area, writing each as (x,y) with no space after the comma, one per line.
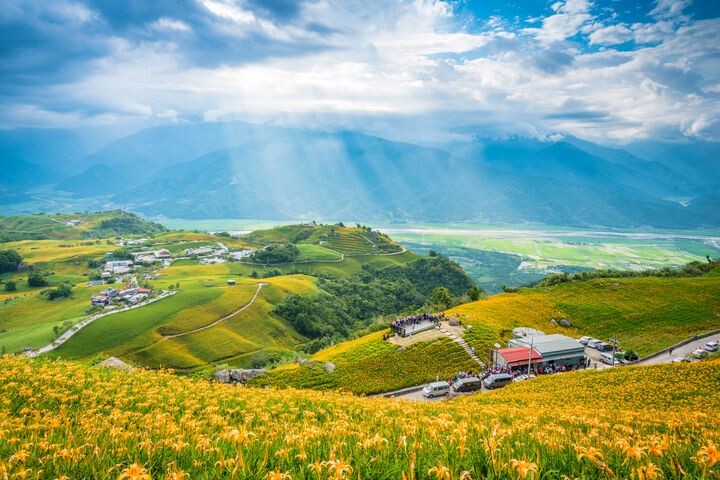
(593,354)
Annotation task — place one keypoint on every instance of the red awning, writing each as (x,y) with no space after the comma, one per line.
(515,356)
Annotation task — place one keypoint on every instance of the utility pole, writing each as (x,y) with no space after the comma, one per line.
(615,342)
(532,339)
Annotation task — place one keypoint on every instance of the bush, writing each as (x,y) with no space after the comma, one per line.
(36,279)
(10,286)
(63,291)
(9,261)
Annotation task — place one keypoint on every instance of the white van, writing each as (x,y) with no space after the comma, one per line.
(607,357)
(436,389)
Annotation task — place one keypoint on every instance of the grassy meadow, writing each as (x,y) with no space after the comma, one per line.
(64,420)
(645,314)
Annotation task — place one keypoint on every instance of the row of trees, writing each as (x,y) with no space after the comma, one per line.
(692,269)
(276,254)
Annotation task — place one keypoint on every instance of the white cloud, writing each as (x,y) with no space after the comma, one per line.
(612,35)
(166,23)
(387,61)
(569,17)
(670,8)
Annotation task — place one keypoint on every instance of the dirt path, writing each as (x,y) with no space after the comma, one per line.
(229,315)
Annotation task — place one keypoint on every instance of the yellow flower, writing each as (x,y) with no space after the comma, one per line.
(524,468)
(648,472)
(441,472)
(709,454)
(317,467)
(134,472)
(278,475)
(338,468)
(592,454)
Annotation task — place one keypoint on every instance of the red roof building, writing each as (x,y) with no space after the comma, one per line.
(517,356)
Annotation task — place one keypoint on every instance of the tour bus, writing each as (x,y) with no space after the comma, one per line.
(497,380)
(436,389)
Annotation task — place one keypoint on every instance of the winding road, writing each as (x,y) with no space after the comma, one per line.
(216,322)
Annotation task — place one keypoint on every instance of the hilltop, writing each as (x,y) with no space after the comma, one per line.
(75,226)
(649,419)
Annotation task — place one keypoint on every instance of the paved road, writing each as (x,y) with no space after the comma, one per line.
(84,323)
(681,352)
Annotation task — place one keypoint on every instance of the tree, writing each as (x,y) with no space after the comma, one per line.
(10,286)
(56,331)
(441,297)
(36,279)
(9,261)
(63,291)
(474,293)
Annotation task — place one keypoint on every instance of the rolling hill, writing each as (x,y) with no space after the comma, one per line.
(75,226)
(218,313)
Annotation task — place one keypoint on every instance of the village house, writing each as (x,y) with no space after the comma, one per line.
(118,267)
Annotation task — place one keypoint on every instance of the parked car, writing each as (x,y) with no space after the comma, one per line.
(468,384)
(593,343)
(584,340)
(607,357)
(712,346)
(699,353)
(523,377)
(604,347)
(436,389)
(497,380)
(680,360)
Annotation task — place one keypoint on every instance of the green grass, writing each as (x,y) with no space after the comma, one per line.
(137,335)
(309,252)
(645,314)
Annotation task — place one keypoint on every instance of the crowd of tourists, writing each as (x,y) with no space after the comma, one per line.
(401,326)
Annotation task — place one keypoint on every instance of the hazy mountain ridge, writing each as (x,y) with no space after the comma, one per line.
(239,170)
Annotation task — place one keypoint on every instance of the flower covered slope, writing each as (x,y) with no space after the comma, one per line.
(63,420)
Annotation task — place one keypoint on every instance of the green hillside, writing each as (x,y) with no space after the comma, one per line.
(357,240)
(206,320)
(75,226)
(645,314)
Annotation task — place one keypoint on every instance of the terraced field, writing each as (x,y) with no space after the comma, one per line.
(370,365)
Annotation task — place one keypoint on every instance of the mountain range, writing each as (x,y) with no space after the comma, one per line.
(241,170)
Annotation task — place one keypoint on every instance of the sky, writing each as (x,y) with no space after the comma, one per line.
(611,71)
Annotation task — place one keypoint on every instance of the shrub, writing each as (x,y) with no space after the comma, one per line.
(36,279)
